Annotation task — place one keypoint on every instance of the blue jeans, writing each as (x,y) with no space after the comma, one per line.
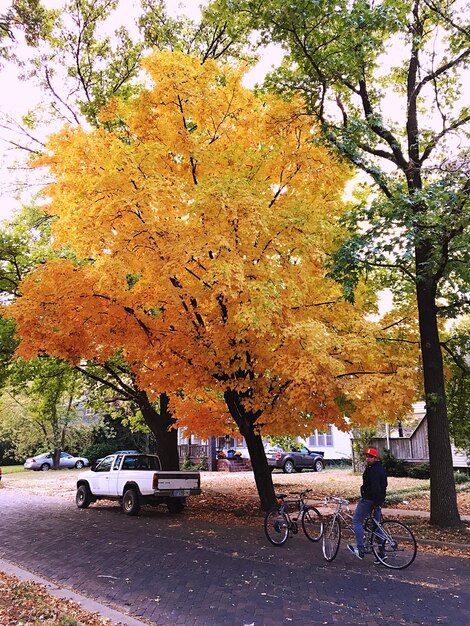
(363,509)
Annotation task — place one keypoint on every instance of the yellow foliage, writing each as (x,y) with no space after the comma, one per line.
(206,225)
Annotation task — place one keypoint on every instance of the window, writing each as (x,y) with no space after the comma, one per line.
(105,464)
(322,439)
(141,462)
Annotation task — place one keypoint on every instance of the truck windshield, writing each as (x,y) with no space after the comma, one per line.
(140,462)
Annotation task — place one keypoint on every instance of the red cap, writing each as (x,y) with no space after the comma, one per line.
(372,452)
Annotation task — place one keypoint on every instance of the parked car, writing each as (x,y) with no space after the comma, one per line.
(295,460)
(44,461)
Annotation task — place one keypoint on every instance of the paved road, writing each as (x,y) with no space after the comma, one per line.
(176,572)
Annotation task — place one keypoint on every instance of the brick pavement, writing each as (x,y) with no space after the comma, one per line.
(175,572)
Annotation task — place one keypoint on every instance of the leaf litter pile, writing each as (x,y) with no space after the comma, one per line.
(29,604)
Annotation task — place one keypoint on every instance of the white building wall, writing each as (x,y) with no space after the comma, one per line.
(340,447)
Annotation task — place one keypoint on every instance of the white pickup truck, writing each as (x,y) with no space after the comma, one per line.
(134,480)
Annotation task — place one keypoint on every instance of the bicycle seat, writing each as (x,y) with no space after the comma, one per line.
(281,496)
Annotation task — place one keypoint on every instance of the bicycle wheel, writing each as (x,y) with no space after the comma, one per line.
(312,523)
(394,545)
(276,526)
(331,538)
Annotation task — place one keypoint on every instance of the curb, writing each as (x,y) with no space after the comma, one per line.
(87,604)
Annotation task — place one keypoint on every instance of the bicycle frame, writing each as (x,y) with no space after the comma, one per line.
(371,525)
(301,506)
(344,516)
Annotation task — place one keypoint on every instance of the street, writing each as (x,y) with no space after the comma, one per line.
(173,571)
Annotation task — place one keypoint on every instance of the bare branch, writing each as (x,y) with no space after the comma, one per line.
(366,374)
(456,358)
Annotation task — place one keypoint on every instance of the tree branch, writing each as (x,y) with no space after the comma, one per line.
(365,374)
(458,360)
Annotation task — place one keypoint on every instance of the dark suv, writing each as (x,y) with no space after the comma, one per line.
(295,460)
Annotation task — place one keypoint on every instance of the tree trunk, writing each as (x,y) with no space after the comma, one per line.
(56,458)
(444,511)
(262,473)
(162,426)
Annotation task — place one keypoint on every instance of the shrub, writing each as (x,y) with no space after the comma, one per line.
(186,464)
(99,450)
(203,464)
(421,471)
(460,478)
(395,467)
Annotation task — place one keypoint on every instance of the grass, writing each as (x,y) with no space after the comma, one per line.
(12,469)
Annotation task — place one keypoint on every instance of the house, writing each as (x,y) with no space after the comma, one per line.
(411,444)
(335,444)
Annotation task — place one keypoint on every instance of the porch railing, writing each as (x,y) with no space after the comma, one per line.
(193,450)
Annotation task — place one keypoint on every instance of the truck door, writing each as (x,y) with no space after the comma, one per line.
(100,480)
(114,476)
(304,458)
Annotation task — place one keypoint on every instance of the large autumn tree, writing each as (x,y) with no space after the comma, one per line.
(201,225)
(384,82)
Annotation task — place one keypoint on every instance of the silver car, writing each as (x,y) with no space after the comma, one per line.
(44,462)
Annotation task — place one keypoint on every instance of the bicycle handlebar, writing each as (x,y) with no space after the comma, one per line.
(300,494)
(336,499)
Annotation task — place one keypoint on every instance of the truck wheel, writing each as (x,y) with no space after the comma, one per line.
(318,467)
(83,497)
(130,502)
(175,506)
(288,467)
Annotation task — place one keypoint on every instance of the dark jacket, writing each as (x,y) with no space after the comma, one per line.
(374,483)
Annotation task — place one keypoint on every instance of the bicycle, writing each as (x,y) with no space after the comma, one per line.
(278,523)
(392,542)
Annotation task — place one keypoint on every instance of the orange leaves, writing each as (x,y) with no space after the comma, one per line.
(63,313)
(205,222)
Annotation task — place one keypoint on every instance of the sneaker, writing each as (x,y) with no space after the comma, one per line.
(356,551)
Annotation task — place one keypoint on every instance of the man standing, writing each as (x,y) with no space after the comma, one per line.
(373,493)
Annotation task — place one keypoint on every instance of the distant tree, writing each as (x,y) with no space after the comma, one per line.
(46,390)
(457,360)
